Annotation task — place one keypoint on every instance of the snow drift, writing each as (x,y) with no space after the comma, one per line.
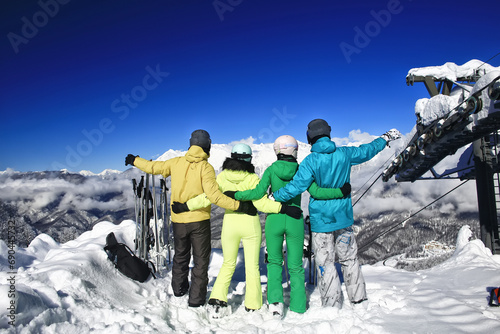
(74,288)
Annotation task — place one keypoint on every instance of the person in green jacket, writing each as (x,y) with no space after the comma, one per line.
(279,226)
(238,174)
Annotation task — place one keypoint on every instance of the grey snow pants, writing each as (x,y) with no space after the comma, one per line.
(342,243)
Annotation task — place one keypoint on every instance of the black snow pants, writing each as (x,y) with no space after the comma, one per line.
(195,236)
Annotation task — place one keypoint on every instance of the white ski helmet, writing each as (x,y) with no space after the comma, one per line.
(286,145)
(242,152)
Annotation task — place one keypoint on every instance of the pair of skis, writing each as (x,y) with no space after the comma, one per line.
(153,237)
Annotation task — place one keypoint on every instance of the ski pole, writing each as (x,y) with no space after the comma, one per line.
(312,268)
(167,222)
(145,220)
(155,213)
(136,208)
(140,211)
(164,213)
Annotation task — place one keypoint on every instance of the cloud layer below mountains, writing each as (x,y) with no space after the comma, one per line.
(32,193)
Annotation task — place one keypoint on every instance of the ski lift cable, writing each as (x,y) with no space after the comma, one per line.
(357,200)
(489,60)
(375,173)
(381,166)
(411,216)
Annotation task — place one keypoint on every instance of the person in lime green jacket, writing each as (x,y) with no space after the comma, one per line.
(238,174)
(279,226)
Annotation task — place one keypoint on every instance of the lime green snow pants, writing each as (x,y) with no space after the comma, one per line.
(247,229)
(278,227)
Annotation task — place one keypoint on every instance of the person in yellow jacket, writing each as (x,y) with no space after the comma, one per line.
(239,174)
(191,175)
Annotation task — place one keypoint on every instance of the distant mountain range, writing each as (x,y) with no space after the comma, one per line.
(64,204)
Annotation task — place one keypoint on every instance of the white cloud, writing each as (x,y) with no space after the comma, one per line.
(34,194)
(249,141)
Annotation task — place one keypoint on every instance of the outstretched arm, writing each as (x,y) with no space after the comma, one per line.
(150,167)
(365,152)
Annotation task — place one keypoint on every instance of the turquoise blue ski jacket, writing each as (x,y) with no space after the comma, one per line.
(330,167)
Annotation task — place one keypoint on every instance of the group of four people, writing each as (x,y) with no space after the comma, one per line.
(325,174)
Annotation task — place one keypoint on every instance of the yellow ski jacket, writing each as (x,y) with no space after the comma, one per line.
(191,175)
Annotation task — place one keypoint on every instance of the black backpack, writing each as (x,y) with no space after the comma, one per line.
(125,260)
(495,297)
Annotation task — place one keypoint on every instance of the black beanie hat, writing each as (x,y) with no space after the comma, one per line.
(316,129)
(201,138)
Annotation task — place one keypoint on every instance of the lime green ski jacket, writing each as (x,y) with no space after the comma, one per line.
(236,181)
(279,174)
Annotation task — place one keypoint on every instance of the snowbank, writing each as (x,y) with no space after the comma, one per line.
(73,288)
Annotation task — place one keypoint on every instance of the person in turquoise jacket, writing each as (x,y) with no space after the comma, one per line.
(331,220)
(280,226)
(239,174)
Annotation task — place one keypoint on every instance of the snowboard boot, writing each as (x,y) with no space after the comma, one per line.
(276,309)
(217,308)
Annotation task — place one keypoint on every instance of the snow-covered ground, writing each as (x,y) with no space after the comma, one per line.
(74,288)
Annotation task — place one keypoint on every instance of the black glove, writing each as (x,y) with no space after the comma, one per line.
(292,211)
(346,189)
(178,207)
(230,193)
(247,207)
(129,160)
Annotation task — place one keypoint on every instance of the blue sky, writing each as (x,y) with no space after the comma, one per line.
(84,83)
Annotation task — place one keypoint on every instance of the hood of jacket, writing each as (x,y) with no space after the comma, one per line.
(235,171)
(196,154)
(324,145)
(284,170)
(236,164)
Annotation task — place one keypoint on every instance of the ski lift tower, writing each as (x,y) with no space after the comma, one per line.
(467,104)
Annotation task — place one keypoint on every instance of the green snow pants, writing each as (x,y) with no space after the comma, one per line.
(278,227)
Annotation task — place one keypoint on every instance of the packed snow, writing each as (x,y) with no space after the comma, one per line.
(439,106)
(74,288)
(452,71)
